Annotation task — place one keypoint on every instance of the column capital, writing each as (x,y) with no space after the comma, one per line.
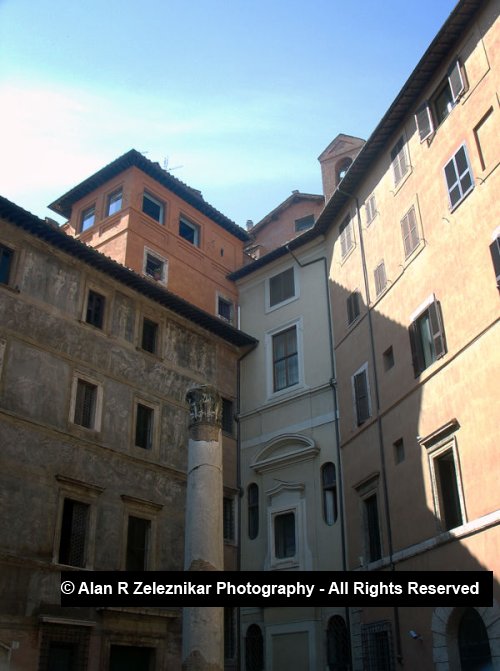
(205,406)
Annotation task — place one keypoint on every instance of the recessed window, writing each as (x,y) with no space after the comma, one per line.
(329,485)
(138,532)
(427,339)
(85,404)
(447,494)
(399,451)
(225,309)
(458,175)
(114,203)
(228,519)
(388,358)
(152,207)
(131,657)
(73,538)
(399,160)
(353,301)
(370,209)
(409,232)
(253,510)
(95,309)
(254,649)
(380,278)
(361,395)
(87,219)
(6,257)
(189,231)
(155,267)
(284,535)
(229,633)
(434,111)
(285,359)
(346,236)
(281,287)
(495,255)
(149,340)
(227,416)
(304,223)
(372,528)
(144,426)
(378,651)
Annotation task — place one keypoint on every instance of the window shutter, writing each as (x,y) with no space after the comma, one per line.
(437,330)
(423,119)
(415,357)
(361,394)
(495,256)
(456,80)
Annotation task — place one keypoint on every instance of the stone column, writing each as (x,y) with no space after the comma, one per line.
(203,627)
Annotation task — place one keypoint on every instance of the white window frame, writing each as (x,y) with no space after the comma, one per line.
(286,301)
(459,177)
(164,275)
(196,228)
(147,194)
(111,198)
(98,402)
(434,452)
(361,369)
(271,394)
(230,302)
(89,209)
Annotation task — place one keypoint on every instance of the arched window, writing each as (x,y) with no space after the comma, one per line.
(329,483)
(342,168)
(253,510)
(338,647)
(473,643)
(254,649)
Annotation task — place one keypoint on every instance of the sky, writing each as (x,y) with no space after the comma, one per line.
(237,99)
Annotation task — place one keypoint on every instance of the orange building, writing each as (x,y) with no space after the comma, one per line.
(141,216)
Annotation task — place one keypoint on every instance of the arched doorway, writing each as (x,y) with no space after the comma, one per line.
(473,642)
(338,646)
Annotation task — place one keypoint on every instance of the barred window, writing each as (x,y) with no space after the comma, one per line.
(74,524)
(85,404)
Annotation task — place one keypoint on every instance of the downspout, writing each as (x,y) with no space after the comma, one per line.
(333,385)
(379,418)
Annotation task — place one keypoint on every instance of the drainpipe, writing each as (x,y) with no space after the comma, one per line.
(333,385)
(379,418)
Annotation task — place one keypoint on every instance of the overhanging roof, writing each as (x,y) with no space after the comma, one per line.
(133,158)
(54,236)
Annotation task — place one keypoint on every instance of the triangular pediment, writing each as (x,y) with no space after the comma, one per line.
(342,144)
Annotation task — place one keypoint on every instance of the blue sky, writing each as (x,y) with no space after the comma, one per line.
(237,98)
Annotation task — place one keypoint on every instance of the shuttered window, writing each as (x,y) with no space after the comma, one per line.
(495,257)
(361,396)
(427,339)
(353,307)
(380,278)
(458,177)
(346,237)
(434,111)
(399,160)
(409,232)
(370,209)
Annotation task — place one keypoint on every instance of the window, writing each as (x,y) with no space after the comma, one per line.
(346,237)
(338,645)
(144,426)
(372,529)
(361,394)
(342,168)
(155,266)
(138,531)
(378,652)
(399,451)
(304,223)
(427,339)
(281,287)
(388,358)
(227,416)
(399,160)
(73,539)
(225,309)
(473,642)
(131,657)
(284,535)
(114,203)
(229,633)
(329,485)
(495,255)
(228,519)
(253,510)
(254,649)
(6,256)
(433,112)
(353,307)
(189,231)
(380,278)
(87,219)
(447,487)
(370,209)
(285,359)
(409,231)
(63,647)
(149,341)
(458,177)
(85,404)
(152,207)
(95,309)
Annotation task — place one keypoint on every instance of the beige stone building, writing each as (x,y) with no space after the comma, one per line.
(95,363)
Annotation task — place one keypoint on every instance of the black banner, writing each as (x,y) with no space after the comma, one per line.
(276,588)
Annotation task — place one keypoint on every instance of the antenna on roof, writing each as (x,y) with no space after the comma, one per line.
(166,166)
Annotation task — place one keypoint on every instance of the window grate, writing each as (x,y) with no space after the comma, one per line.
(378,652)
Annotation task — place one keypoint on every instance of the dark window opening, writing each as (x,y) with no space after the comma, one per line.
(427,339)
(338,645)
(285,359)
(137,543)
(372,528)
(253,510)
(458,175)
(155,267)
(190,232)
(399,451)
(225,309)
(353,307)
(144,427)
(228,519)
(284,535)
(329,484)
(254,649)
(131,658)
(229,633)
(388,358)
(281,287)
(473,643)
(449,498)
(361,397)
(152,207)
(149,340)
(85,404)
(227,416)
(6,256)
(72,544)
(95,309)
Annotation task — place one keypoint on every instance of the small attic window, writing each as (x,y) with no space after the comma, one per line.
(342,169)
